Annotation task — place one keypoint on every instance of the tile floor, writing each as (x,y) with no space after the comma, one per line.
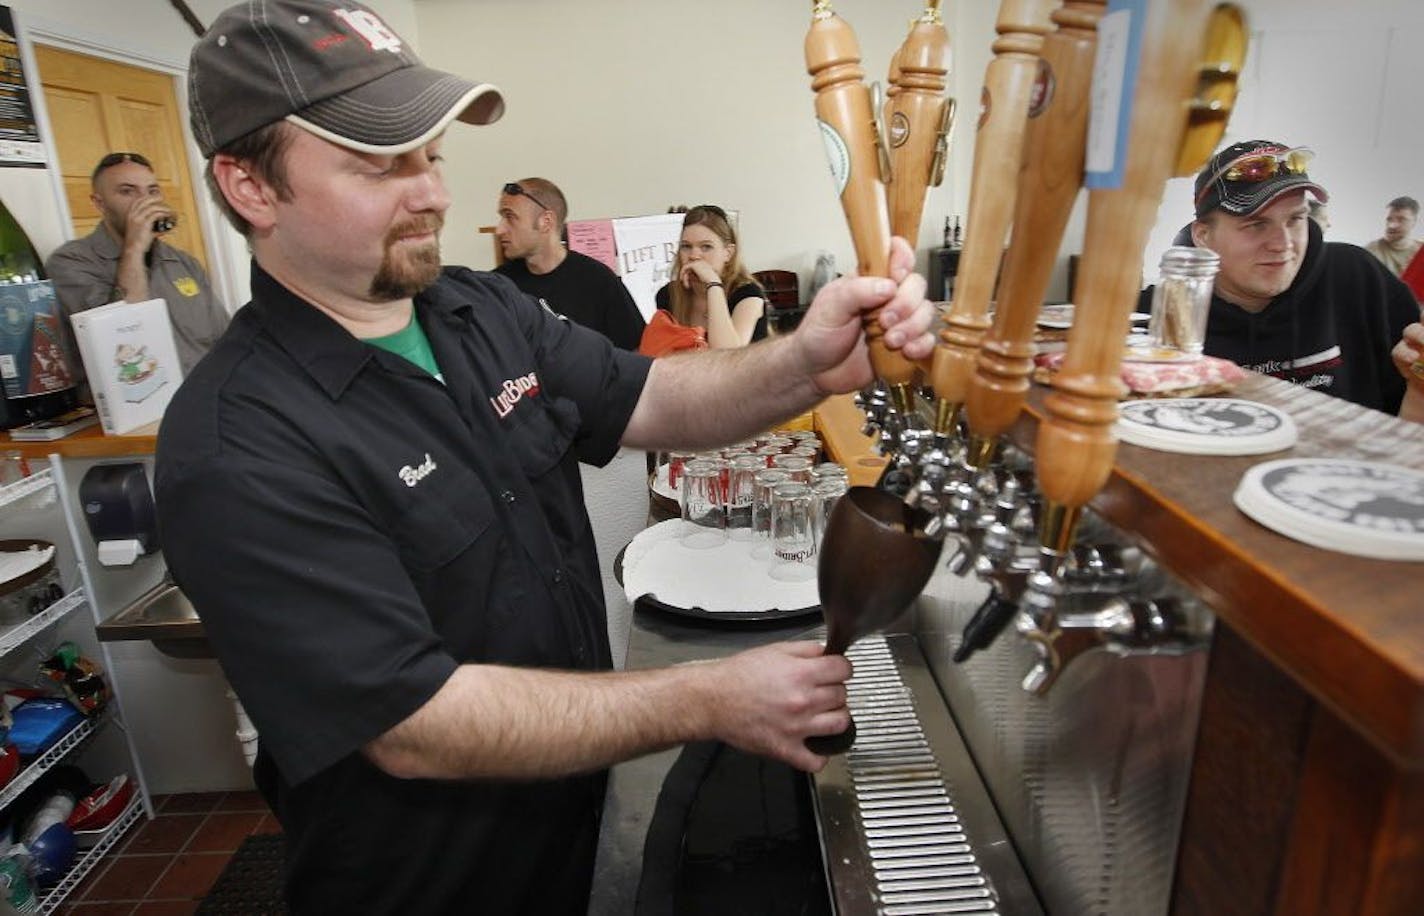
(166,865)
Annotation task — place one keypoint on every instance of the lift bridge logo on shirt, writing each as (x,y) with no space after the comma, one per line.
(512,392)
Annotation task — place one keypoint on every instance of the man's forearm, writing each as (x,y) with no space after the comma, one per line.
(132,278)
(709,398)
(496,722)
(493,722)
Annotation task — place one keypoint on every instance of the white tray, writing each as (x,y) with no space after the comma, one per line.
(723,583)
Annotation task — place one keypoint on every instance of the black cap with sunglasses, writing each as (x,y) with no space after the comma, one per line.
(1245,177)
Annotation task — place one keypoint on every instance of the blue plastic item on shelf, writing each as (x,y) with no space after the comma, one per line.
(51,854)
(40,722)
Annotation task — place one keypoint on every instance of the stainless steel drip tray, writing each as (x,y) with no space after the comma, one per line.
(906,825)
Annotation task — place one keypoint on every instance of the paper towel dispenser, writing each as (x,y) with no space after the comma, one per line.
(118,507)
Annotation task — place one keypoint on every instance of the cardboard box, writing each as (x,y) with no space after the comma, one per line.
(131,360)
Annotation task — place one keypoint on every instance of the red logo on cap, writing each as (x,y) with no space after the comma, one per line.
(375,32)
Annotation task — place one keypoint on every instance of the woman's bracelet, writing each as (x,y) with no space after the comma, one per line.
(716,283)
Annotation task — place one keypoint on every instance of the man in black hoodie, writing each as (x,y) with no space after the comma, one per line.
(1287,303)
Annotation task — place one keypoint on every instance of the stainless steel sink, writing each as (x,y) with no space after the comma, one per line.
(164,616)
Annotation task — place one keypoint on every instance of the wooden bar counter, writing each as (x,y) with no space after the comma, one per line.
(1307,786)
(90,442)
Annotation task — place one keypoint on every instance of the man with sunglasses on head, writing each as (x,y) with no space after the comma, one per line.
(1286,303)
(532,214)
(370,491)
(125,258)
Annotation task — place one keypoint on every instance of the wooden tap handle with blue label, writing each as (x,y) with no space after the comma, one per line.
(1147,72)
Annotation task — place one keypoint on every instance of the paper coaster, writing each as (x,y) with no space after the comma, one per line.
(1206,426)
(1357,507)
(1056,316)
(719,580)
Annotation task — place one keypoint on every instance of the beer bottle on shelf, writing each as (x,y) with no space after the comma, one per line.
(948,234)
(20,335)
(958,236)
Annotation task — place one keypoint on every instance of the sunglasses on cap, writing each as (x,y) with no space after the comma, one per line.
(1259,166)
(515,189)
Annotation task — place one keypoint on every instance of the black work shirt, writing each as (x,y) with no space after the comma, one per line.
(583,290)
(350,530)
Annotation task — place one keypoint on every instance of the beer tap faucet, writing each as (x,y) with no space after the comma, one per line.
(1122,625)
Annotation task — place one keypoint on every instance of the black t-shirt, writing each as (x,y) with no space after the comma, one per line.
(351,530)
(583,290)
(1332,330)
(663,299)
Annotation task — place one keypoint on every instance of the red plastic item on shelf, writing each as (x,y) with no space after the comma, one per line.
(99,808)
(9,763)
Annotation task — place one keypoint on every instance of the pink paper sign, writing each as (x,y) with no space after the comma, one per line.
(594,237)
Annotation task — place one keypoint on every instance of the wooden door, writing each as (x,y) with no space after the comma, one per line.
(99,106)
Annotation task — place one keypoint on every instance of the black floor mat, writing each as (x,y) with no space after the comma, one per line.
(251,884)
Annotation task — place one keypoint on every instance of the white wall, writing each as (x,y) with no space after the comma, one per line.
(615,102)
(631,105)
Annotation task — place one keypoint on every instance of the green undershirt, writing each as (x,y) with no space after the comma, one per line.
(412,345)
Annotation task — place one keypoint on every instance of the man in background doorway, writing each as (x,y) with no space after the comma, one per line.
(125,258)
(1396,248)
(532,213)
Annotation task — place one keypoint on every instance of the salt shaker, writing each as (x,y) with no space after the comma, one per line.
(1182,299)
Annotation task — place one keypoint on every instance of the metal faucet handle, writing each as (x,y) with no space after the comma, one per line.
(1120,625)
(1097,567)
(969,548)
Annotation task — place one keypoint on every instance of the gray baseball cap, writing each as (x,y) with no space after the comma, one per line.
(332,67)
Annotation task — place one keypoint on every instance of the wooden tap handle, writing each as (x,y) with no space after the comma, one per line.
(1008,86)
(1217,81)
(914,111)
(1076,445)
(847,122)
(1048,186)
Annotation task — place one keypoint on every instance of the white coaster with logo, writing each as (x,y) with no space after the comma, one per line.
(1205,426)
(1357,507)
